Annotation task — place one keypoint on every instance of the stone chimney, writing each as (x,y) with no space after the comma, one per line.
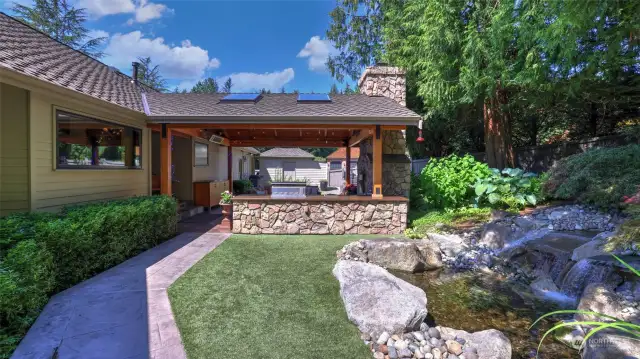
(384,80)
(387,81)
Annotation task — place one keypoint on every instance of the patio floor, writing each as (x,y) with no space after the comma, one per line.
(123,312)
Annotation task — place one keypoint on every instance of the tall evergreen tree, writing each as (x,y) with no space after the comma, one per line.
(208,85)
(150,74)
(226,88)
(63,22)
(355,31)
(334,90)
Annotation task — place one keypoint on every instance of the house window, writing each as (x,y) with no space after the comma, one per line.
(201,151)
(335,165)
(84,142)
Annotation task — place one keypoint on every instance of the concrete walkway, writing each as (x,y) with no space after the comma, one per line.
(121,313)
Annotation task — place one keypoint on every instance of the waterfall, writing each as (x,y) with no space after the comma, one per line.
(581,274)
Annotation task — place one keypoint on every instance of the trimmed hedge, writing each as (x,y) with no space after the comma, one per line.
(42,254)
(600,176)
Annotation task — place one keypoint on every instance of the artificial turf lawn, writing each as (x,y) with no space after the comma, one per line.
(266,297)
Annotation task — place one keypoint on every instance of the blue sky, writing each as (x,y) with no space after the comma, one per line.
(259,44)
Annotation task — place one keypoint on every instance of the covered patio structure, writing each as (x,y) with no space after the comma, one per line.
(375,120)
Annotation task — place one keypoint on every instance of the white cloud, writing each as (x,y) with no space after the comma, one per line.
(317,50)
(8,4)
(143,10)
(250,81)
(99,8)
(97,33)
(185,62)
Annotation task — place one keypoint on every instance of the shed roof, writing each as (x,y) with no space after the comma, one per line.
(292,152)
(341,154)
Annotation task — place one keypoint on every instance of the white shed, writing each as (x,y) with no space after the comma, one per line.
(294,163)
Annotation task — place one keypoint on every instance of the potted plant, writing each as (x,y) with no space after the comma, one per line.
(225,203)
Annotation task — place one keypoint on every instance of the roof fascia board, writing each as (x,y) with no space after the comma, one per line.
(323,120)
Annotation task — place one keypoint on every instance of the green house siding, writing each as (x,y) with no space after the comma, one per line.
(14,149)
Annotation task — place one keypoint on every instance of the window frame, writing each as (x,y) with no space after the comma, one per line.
(196,143)
(56,158)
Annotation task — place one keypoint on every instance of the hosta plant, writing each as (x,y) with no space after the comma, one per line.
(511,188)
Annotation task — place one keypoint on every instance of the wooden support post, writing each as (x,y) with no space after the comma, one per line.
(165,161)
(347,176)
(377,163)
(230,167)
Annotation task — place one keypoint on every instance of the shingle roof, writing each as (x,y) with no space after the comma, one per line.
(28,51)
(341,153)
(287,152)
(274,106)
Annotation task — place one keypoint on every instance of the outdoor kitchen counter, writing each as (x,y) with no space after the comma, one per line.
(261,214)
(330,198)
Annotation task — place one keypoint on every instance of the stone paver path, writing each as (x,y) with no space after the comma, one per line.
(121,313)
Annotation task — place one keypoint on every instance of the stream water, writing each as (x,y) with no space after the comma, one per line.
(479,301)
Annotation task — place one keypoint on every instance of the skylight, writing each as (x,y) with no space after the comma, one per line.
(314,97)
(242,97)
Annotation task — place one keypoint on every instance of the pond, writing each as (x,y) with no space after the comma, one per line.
(479,301)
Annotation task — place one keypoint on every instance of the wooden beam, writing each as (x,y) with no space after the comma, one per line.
(165,161)
(377,163)
(363,135)
(230,167)
(347,176)
(394,127)
(287,143)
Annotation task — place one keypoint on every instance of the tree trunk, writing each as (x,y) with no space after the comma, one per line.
(497,132)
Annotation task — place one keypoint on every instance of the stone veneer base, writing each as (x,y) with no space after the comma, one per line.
(364,216)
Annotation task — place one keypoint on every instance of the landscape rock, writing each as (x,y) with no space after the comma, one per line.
(598,298)
(490,344)
(495,235)
(376,301)
(545,289)
(399,255)
(450,244)
(590,249)
(404,255)
(609,346)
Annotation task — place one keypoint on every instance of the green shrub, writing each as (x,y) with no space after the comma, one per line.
(41,254)
(601,176)
(510,188)
(242,186)
(447,182)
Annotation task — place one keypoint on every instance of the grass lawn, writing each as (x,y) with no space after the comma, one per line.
(266,297)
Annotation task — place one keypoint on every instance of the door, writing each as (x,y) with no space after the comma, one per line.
(289,169)
(336,177)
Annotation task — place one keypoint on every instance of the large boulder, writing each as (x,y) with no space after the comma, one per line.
(491,343)
(450,244)
(393,254)
(403,255)
(377,301)
(609,346)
